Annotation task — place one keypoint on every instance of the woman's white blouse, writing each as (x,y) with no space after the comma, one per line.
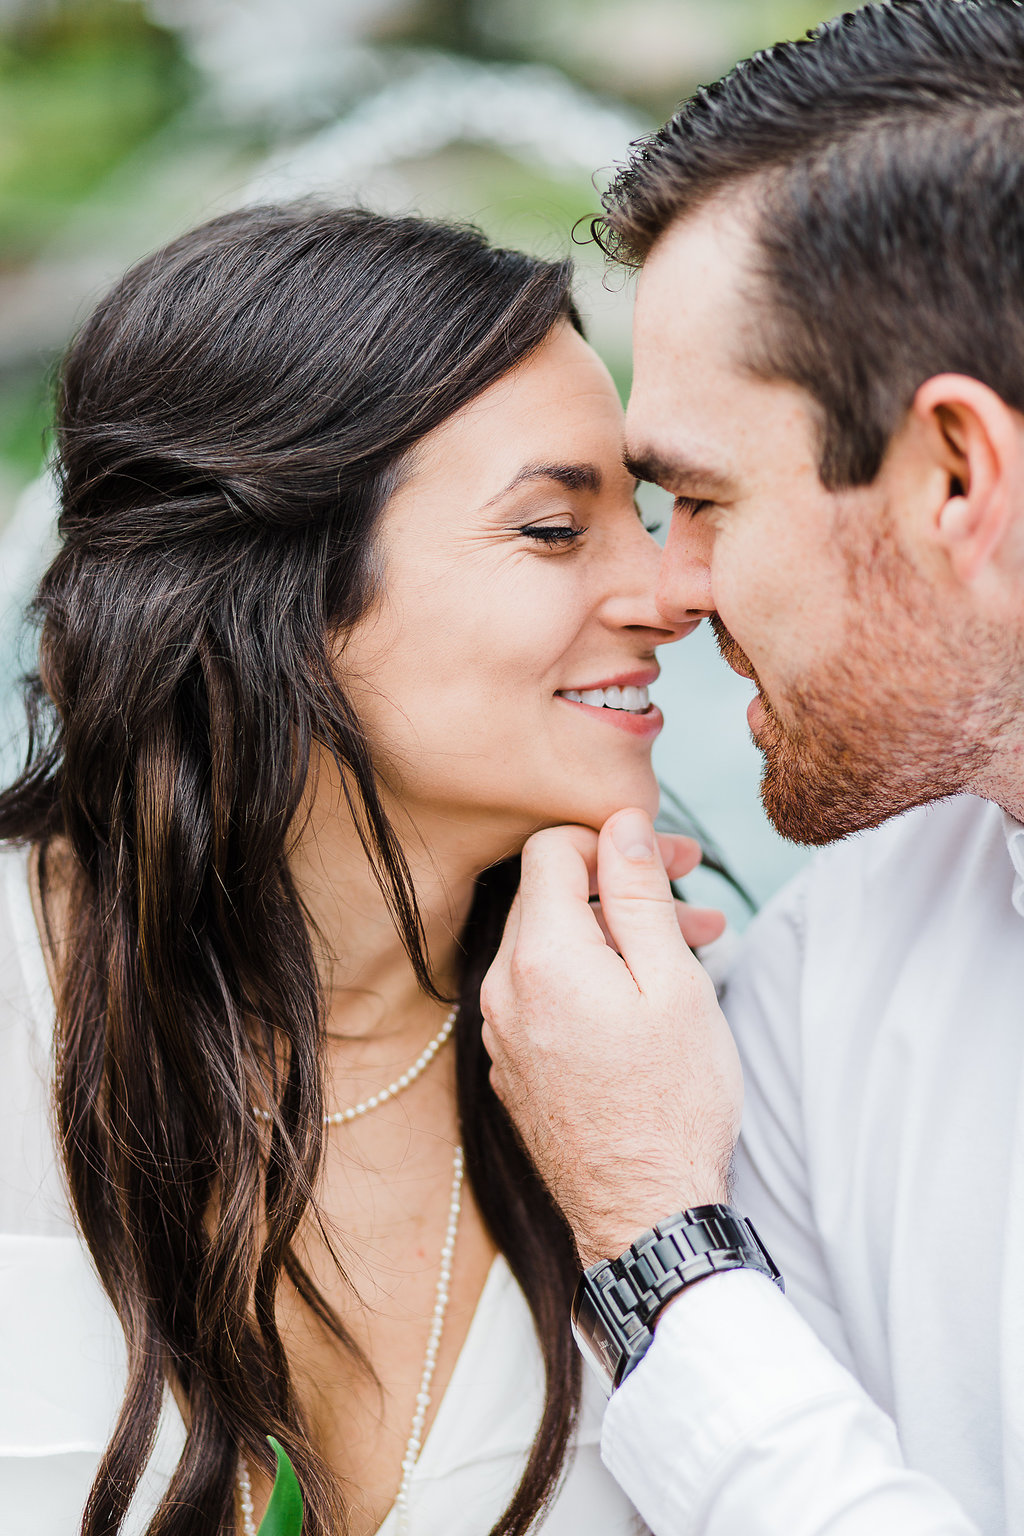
(62,1362)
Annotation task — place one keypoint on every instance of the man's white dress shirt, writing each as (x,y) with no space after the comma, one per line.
(879,1008)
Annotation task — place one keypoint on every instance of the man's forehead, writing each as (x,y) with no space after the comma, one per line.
(695,289)
(687,402)
(697,413)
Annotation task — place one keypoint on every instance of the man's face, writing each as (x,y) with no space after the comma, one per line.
(868,701)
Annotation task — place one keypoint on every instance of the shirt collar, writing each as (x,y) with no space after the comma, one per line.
(1015,844)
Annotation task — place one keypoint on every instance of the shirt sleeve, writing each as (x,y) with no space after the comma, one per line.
(763,1001)
(739,1422)
(745,1417)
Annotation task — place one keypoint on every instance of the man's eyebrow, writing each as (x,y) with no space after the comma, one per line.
(676,473)
(575,477)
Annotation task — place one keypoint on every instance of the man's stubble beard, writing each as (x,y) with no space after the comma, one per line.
(901,715)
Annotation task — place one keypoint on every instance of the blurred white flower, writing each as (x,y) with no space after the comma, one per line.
(530,111)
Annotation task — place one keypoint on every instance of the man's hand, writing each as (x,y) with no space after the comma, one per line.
(609,1049)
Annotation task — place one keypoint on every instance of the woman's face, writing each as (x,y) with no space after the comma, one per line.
(502,675)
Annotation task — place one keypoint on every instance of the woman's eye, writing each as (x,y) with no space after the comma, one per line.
(547,533)
(652,527)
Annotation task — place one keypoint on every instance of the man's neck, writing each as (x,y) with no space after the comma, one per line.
(1003,778)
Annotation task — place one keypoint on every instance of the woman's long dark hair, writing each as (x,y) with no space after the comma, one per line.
(231,420)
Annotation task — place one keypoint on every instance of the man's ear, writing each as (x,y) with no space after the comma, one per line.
(974,438)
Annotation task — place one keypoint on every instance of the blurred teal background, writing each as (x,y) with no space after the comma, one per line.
(123,122)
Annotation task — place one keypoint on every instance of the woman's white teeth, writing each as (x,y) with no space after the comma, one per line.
(635,700)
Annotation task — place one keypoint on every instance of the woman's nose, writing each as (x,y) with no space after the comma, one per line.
(633,604)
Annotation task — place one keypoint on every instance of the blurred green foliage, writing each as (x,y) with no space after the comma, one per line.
(80,87)
(25,413)
(86,85)
(653,53)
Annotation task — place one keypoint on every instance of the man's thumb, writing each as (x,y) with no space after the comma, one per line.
(636,897)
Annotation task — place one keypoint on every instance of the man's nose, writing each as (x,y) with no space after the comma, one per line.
(683,590)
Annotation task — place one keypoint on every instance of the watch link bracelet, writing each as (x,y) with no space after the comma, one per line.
(616,1303)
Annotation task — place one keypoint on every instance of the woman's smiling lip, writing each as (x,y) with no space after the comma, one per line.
(642,679)
(645,724)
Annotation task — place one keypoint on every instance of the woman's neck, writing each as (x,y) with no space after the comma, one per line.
(374,1001)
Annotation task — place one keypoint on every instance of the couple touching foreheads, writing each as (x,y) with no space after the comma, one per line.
(329,1088)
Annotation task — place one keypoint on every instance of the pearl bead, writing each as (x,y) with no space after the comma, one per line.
(413,1445)
(343,1116)
(441,1294)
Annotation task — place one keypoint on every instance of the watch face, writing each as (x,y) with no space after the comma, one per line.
(598,1349)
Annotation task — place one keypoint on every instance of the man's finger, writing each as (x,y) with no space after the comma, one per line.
(497,982)
(679,854)
(554,889)
(636,898)
(499,965)
(700,925)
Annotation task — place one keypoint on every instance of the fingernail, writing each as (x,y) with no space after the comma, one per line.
(633,836)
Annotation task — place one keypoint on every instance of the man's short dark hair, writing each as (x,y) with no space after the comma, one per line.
(886,151)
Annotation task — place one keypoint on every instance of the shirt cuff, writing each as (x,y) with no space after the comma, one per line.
(739,1420)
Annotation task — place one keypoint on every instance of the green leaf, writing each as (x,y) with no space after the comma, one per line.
(284,1512)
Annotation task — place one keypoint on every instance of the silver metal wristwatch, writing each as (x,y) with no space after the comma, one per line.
(617,1302)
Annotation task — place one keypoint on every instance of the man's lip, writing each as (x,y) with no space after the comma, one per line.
(624,680)
(740,672)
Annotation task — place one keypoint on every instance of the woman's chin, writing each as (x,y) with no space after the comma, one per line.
(594,809)
(503,837)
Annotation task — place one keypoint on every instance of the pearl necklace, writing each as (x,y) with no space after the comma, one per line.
(414,1444)
(419,1066)
(415,1441)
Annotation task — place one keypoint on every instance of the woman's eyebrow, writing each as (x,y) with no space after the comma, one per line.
(575,477)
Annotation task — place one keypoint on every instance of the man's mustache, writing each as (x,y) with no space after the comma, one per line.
(732,652)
